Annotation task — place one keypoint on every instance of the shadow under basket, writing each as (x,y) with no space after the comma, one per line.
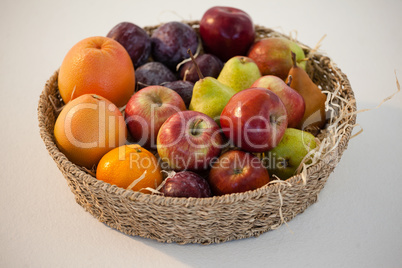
(220,218)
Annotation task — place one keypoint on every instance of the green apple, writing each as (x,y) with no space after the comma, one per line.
(286,157)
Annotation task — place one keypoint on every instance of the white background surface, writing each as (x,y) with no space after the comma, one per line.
(357,221)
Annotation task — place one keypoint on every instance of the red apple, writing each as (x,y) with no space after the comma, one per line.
(148,109)
(237,171)
(189,140)
(226,32)
(293,101)
(254,119)
(273,56)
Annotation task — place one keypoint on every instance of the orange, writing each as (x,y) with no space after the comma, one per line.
(87,128)
(98,65)
(130,167)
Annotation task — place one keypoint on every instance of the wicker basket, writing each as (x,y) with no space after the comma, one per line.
(215,219)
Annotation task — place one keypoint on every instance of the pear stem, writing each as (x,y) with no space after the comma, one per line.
(294,59)
(290,78)
(195,64)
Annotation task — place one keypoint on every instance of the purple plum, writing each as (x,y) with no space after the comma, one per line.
(153,73)
(171,41)
(186,184)
(184,88)
(134,39)
(208,64)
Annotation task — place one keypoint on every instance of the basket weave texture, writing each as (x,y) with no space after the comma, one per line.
(220,218)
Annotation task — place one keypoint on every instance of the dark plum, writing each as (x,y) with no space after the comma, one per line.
(171,41)
(153,73)
(134,39)
(186,184)
(209,65)
(183,88)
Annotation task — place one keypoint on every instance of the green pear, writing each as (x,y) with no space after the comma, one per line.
(239,73)
(286,157)
(210,97)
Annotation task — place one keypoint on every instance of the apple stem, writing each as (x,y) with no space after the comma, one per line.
(290,78)
(294,59)
(195,64)
(195,130)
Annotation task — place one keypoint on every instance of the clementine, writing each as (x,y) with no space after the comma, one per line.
(97,65)
(87,128)
(130,167)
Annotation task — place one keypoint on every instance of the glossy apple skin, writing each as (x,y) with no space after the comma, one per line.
(186,184)
(226,32)
(293,101)
(237,171)
(273,56)
(189,140)
(254,119)
(148,109)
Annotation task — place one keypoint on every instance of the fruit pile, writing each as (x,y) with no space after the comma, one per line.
(186,111)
